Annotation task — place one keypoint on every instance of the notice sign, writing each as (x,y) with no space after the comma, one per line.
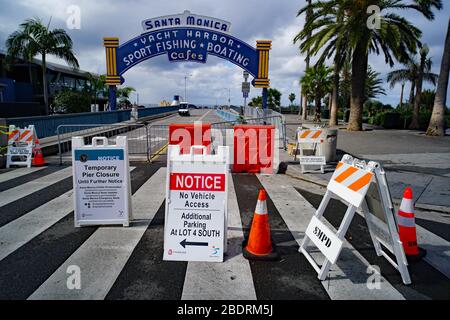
(195,223)
(101,183)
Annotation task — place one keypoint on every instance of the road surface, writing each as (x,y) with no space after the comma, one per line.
(38,243)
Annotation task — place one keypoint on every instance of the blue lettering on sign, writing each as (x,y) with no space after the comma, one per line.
(187,44)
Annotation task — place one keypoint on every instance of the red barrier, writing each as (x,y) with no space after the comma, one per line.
(187,135)
(253,148)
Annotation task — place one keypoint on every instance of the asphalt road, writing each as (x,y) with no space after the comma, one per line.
(38,242)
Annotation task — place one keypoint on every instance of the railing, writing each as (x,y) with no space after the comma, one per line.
(276,121)
(46,126)
(149,140)
(227,116)
(137,133)
(257,116)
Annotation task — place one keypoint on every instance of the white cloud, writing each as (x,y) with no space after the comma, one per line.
(157,79)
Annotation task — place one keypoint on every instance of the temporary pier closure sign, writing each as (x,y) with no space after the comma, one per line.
(196,205)
(101,180)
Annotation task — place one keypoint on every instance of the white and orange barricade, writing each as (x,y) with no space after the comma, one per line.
(21,143)
(310,140)
(351,182)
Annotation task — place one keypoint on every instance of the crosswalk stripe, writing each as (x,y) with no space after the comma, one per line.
(18,232)
(348,278)
(292,277)
(231,280)
(102,257)
(33,186)
(18,173)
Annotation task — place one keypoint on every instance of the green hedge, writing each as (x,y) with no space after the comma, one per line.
(399,120)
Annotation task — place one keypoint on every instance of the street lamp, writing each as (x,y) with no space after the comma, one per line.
(185,86)
(229,97)
(137,98)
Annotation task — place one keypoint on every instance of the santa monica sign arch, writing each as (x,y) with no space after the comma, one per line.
(186,37)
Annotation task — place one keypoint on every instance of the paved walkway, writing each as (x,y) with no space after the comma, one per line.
(409,157)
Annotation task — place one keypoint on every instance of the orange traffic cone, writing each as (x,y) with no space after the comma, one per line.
(259,245)
(38,159)
(407,227)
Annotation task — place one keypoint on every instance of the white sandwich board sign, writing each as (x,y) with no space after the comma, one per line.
(196,205)
(101,182)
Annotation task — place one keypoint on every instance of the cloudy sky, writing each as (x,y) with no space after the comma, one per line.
(157,79)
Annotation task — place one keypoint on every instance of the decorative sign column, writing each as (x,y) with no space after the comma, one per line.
(112,77)
(262,81)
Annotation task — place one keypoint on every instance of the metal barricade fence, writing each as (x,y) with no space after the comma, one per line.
(276,121)
(138,137)
(158,140)
(148,140)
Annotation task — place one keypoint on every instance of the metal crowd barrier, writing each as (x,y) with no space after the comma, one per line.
(148,140)
(138,137)
(276,121)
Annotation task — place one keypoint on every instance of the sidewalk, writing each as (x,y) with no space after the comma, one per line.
(409,158)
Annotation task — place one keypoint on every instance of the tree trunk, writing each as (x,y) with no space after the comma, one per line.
(415,115)
(437,121)
(300,104)
(401,96)
(411,94)
(359,74)
(44,83)
(334,96)
(318,107)
(305,100)
(415,125)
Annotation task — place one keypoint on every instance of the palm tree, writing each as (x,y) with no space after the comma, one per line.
(373,85)
(330,17)
(33,38)
(372,88)
(423,60)
(316,83)
(396,37)
(411,74)
(256,102)
(427,100)
(437,121)
(124,94)
(291,97)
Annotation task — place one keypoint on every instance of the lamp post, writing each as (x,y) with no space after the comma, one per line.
(185,86)
(137,98)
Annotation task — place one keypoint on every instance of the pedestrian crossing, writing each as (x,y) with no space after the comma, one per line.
(37,247)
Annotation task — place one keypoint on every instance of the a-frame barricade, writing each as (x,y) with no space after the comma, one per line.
(350,183)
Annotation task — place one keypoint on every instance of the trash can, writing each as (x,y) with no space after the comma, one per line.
(329,146)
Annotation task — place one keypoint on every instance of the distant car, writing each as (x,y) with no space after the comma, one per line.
(183,109)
